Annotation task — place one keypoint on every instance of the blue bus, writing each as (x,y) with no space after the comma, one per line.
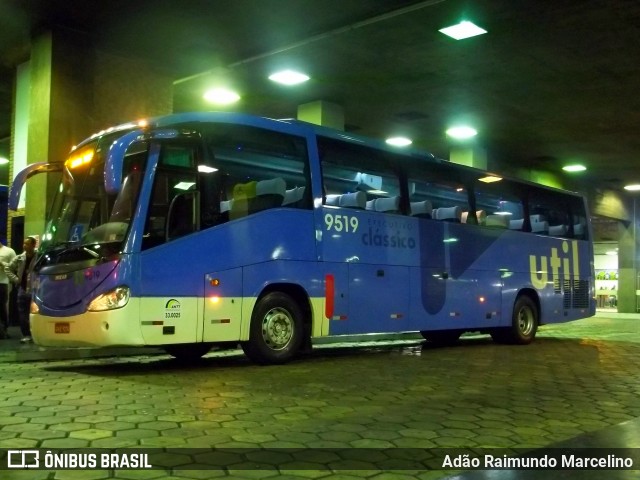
(197,230)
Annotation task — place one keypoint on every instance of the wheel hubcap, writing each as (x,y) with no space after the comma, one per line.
(277,328)
(525,321)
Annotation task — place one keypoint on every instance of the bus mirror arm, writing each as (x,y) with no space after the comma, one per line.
(24,175)
(115,161)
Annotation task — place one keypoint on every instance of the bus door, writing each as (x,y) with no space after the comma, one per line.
(171,259)
(376,280)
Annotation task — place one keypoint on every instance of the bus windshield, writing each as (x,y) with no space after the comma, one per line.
(83,214)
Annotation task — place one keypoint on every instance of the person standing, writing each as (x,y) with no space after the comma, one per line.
(6,256)
(19,272)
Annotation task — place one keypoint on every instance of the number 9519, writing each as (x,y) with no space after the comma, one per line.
(341,223)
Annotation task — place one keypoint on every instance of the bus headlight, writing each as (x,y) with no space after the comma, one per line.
(33,308)
(116,298)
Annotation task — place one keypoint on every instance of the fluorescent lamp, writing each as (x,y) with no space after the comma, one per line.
(490,179)
(633,187)
(502,213)
(399,141)
(221,96)
(463,30)
(574,168)
(4,161)
(206,169)
(462,132)
(289,77)
(611,252)
(184,185)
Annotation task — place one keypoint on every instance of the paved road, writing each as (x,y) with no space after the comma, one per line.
(575,381)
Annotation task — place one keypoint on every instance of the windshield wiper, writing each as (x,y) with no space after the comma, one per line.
(91,252)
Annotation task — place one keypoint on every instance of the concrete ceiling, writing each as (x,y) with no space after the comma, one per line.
(551,82)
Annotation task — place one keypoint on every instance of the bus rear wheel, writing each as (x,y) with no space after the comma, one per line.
(441,337)
(276,331)
(188,351)
(524,323)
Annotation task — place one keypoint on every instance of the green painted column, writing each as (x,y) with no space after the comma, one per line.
(322,113)
(628,262)
(75,91)
(471,156)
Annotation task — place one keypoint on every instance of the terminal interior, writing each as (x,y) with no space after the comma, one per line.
(549,91)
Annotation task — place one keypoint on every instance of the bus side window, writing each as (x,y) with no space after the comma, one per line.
(355,176)
(168,217)
(254,170)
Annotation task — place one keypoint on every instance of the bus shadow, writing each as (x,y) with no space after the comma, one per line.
(161,364)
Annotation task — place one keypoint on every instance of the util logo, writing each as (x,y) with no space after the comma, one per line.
(566,264)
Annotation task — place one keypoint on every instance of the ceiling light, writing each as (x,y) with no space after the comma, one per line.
(611,252)
(463,30)
(633,187)
(399,141)
(462,132)
(221,96)
(574,168)
(4,161)
(490,179)
(289,77)
(206,169)
(184,185)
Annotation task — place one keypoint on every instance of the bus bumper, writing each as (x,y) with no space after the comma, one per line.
(111,328)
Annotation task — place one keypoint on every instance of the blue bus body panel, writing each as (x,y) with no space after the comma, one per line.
(178,267)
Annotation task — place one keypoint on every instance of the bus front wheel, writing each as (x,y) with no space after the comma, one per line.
(276,331)
(524,323)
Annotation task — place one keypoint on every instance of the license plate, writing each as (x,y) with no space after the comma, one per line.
(62,327)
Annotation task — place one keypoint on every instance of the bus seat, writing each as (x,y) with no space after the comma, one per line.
(578,230)
(516,224)
(293,197)
(225,210)
(422,209)
(450,214)
(242,194)
(558,230)
(537,218)
(389,205)
(332,200)
(244,191)
(353,200)
(225,205)
(371,205)
(499,221)
(481,217)
(541,228)
(269,194)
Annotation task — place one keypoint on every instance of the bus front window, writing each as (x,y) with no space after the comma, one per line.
(83,214)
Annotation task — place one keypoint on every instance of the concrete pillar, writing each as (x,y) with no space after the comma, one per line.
(322,113)
(471,156)
(75,91)
(628,266)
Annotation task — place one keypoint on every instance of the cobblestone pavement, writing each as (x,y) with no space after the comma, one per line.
(576,378)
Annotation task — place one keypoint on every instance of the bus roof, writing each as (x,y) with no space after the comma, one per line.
(295,126)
